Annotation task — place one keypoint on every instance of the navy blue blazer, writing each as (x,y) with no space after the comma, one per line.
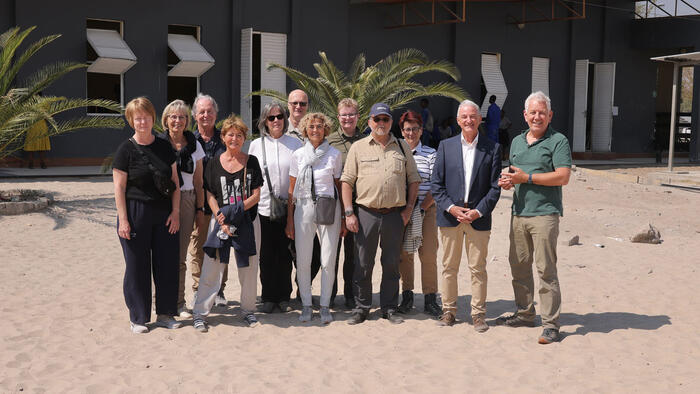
(447,180)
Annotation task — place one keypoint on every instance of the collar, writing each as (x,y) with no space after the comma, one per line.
(546,135)
(214,137)
(392,139)
(419,148)
(346,137)
(464,141)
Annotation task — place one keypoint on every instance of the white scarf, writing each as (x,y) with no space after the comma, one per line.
(310,156)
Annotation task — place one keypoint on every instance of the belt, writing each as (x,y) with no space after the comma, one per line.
(380,211)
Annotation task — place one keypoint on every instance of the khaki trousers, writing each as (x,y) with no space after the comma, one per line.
(534,238)
(187,214)
(195,254)
(427,254)
(477,244)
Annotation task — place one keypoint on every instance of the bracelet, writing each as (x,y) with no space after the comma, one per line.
(200,209)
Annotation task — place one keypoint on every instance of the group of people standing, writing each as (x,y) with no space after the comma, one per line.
(302,190)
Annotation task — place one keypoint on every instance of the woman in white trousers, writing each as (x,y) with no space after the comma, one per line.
(318,164)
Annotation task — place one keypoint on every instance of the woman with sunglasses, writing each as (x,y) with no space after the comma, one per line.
(189,155)
(275,160)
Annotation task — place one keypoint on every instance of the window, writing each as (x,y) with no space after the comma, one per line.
(540,74)
(187,61)
(108,58)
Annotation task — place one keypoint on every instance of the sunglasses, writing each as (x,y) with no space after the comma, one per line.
(272,118)
(299,103)
(378,119)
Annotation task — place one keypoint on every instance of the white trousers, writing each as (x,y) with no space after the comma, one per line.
(213,271)
(304,231)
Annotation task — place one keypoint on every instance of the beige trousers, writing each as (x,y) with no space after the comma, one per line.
(476,244)
(195,254)
(427,254)
(187,214)
(534,238)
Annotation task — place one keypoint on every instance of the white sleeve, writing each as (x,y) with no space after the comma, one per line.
(294,165)
(337,165)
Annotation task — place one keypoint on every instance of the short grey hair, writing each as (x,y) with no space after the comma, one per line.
(541,97)
(468,103)
(262,126)
(200,97)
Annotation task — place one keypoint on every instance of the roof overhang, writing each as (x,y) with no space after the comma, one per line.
(194,59)
(682,59)
(113,54)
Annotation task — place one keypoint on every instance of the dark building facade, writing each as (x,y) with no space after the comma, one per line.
(611,46)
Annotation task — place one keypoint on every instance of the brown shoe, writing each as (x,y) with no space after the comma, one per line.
(479,323)
(447,319)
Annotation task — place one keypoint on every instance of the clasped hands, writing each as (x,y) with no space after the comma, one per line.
(464,215)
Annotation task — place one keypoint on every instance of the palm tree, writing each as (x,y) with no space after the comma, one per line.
(21,106)
(390,80)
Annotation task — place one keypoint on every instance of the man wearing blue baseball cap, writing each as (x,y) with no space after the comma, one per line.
(385,180)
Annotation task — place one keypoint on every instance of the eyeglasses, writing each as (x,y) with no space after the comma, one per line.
(384,119)
(299,103)
(347,115)
(272,118)
(412,129)
(177,117)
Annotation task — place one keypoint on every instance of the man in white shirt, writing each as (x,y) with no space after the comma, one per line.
(466,191)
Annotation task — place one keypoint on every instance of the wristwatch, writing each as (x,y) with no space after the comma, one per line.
(349,212)
(201,209)
(529,179)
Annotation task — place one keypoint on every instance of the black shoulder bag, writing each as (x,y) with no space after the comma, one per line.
(162,180)
(278,206)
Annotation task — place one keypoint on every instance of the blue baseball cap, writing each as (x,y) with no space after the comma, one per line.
(380,109)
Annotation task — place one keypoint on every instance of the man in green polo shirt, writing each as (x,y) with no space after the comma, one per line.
(540,165)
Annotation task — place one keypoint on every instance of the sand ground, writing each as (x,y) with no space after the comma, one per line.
(629,315)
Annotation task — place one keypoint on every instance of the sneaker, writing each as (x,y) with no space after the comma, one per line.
(251,320)
(284,306)
(406,302)
(138,328)
(548,336)
(392,317)
(167,322)
(446,320)
(479,323)
(183,312)
(358,316)
(268,307)
(220,299)
(306,313)
(514,320)
(326,317)
(200,325)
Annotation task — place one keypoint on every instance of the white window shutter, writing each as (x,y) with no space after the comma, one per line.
(493,79)
(580,105)
(273,50)
(246,76)
(540,74)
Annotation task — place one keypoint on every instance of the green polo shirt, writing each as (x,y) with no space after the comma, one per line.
(544,155)
(342,142)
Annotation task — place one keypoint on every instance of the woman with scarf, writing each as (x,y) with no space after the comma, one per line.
(314,173)
(189,155)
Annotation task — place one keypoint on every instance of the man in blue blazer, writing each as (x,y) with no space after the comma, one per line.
(464,184)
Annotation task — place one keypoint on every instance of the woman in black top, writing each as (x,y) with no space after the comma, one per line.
(229,179)
(147,220)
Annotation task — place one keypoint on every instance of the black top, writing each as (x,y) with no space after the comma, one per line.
(212,149)
(183,157)
(228,187)
(139,181)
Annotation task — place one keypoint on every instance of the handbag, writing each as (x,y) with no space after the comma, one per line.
(325,206)
(278,206)
(161,180)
